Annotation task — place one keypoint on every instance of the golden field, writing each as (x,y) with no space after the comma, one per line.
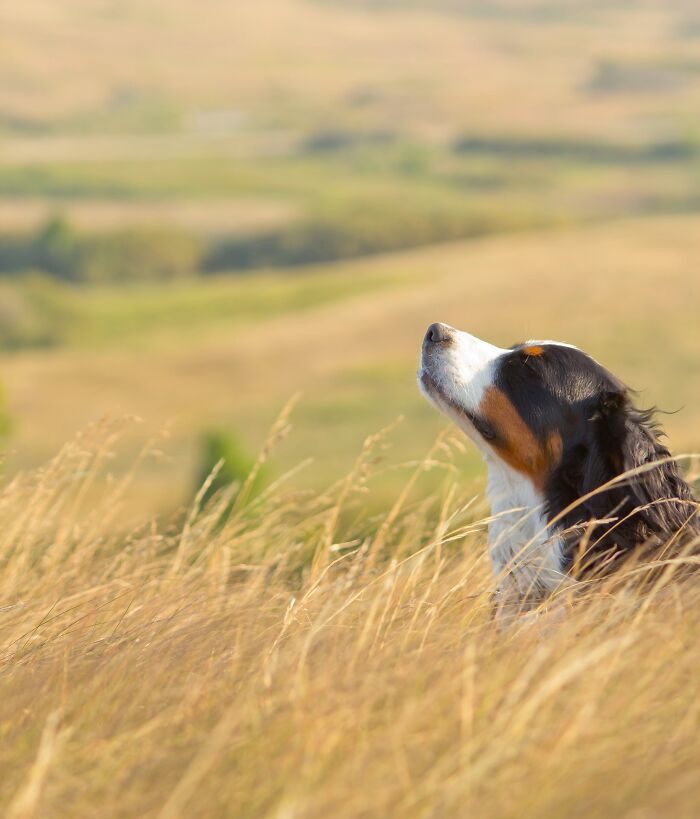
(332,651)
(214,213)
(296,659)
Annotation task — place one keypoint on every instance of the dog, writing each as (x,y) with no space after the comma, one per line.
(578,479)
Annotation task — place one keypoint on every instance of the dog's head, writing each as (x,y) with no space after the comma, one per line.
(557,417)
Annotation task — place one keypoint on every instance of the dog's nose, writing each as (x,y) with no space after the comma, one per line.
(439,333)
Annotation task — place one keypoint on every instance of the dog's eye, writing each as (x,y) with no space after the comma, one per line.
(485,430)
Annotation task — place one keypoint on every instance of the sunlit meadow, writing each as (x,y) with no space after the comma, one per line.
(283,655)
(214,213)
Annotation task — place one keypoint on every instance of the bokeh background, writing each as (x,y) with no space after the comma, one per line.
(208,207)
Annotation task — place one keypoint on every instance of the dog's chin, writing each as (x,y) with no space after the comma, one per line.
(431,391)
(446,405)
(439,398)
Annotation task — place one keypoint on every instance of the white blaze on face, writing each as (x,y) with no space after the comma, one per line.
(455,372)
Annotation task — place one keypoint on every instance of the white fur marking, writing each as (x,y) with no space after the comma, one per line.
(527,557)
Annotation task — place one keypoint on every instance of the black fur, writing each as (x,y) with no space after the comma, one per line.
(648,512)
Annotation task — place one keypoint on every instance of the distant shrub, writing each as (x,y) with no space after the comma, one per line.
(133,254)
(328,141)
(138,255)
(54,248)
(57,248)
(222,445)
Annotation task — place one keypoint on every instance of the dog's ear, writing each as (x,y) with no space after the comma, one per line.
(658,489)
(593,458)
(648,495)
(603,455)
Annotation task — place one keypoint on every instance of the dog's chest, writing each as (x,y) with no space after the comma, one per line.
(523,551)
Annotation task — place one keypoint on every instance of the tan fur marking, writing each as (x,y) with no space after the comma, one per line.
(516,443)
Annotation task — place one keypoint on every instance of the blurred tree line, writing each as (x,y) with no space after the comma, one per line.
(131,254)
(167,253)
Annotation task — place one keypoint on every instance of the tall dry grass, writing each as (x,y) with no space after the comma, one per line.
(291,658)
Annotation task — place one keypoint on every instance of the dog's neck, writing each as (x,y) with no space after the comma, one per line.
(526,557)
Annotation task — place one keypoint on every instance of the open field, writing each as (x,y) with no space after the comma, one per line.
(426,67)
(376,127)
(231,352)
(208,208)
(302,660)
